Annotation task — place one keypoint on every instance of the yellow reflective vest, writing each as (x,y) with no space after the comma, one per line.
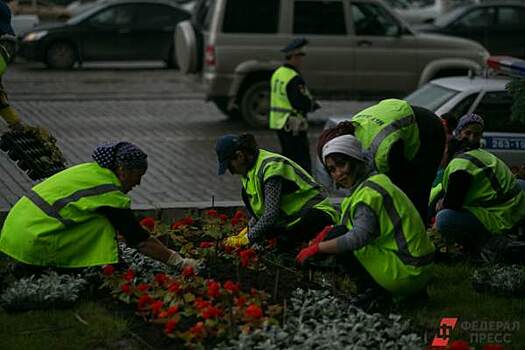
(57,223)
(378,127)
(400,257)
(295,203)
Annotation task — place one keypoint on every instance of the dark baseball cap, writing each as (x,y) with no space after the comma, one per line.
(225,148)
(5,19)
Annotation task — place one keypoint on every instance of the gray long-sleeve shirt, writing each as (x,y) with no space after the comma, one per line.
(364,229)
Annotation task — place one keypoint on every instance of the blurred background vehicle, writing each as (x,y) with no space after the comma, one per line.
(357,48)
(78,6)
(110,30)
(23,23)
(486,96)
(46,10)
(498,26)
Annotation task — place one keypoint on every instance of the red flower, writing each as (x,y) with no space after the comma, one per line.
(239,215)
(170,326)
(198,328)
(254,292)
(223,218)
(231,287)
(156,306)
(143,287)
(213,289)
(246,255)
(187,271)
(160,278)
(108,270)
(172,310)
(129,275)
(176,225)
(459,345)
(211,312)
(188,220)
(204,245)
(253,311)
(234,222)
(229,249)
(493,347)
(174,287)
(212,212)
(126,288)
(201,304)
(143,301)
(240,301)
(148,222)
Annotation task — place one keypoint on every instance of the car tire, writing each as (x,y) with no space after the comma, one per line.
(222,105)
(189,47)
(255,104)
(61,55)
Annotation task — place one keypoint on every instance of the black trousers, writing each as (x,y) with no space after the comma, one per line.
(306,229)
(296,148)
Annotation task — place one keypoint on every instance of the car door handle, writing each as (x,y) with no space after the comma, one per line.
(364,43)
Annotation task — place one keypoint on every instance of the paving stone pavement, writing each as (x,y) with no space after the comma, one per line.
(159,110)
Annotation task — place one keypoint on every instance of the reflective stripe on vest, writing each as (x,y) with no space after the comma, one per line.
(52,210)
(494,182)
(403,252)
(388,130)
(280,106)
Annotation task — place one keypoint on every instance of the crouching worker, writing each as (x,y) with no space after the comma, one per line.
(482,200)
(71,219)
(381,240)
(283,200)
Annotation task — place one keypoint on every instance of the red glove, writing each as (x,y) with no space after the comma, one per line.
(306,253)
(321,235)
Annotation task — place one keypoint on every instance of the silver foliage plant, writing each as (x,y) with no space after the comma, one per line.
(45,289)
(500,279)
(317,320)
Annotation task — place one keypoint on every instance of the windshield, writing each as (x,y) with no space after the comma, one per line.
(449,17)
(431,96)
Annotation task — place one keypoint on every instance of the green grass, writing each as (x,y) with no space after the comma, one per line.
(451,295)
(60,329)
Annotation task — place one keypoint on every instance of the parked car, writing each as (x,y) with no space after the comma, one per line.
(417,13)
(78,6)
(356,47)
(486,96)
(115,30)
(498,26)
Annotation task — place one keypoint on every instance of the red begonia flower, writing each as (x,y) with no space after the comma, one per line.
(240,301)
(156,306)
(129,275)
(212,212)
(204,245)
(174,287)
(188,220)
(143,301)
(459,345)
(170,326)
(198,328)
(231,287)
(142,287)
(126,288)
(211,312)
(253,311)
(149,223)
(187,271)
(108,270)
(213,289)
(160,278)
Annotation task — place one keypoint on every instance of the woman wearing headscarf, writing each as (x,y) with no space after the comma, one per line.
(71,219)
(380,239)
(404,142)
(482,199)
(283,200)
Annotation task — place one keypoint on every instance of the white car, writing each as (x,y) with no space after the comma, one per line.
(485,96)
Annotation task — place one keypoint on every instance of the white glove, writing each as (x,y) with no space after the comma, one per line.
(178,261)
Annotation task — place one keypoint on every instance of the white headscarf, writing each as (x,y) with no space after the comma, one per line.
(345,144)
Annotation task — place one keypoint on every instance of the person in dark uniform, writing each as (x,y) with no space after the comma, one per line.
(290,103)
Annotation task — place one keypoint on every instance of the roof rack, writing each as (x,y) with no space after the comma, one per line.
(507,65)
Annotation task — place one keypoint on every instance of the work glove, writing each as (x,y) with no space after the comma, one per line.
(239,240)
(179,262)
(321,235)
(307,253)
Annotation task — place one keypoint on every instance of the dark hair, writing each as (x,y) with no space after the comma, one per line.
(343,128)
(247,144)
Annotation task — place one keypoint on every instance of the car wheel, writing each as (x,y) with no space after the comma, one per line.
(60,55)
(189,47)
(255,104)
(222,105)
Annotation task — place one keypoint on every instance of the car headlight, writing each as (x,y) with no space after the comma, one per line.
(34,36)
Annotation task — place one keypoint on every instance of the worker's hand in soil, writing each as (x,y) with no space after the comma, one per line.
(307,253)
(239,240)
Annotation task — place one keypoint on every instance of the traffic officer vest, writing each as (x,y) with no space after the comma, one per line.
(378,127)
(57,223)
(294,204)
(494,196)
(280,106)
(400,257)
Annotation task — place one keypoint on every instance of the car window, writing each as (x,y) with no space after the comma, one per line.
(114,16)
(251,16)
(511,16)
(463,106)
(431,96)
(157,15)
(203,13)
(495,108)
(319,17)
(372,19)
(482,17)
